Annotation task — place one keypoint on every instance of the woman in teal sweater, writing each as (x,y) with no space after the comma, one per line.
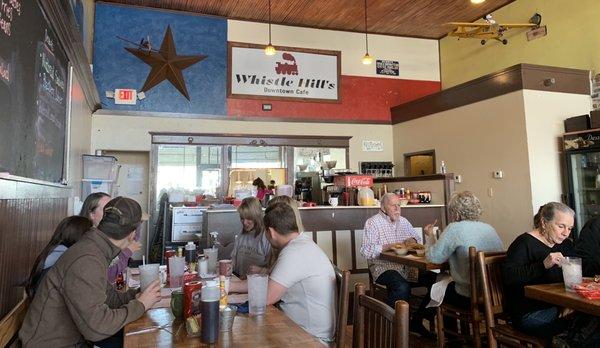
(464,231)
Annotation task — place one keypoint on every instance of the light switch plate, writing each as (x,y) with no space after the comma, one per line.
(498,174)
(457,178)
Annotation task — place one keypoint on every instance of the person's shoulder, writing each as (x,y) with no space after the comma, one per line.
(524,239)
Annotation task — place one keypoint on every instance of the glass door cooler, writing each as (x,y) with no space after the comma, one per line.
(582,154)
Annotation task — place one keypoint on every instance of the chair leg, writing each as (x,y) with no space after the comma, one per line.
(476,334)
(439,318)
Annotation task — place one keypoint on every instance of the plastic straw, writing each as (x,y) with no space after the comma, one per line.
(143,259)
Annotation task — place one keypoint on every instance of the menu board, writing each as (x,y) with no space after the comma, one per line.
(33,93)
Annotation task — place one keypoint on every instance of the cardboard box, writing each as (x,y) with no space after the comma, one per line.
(577,123)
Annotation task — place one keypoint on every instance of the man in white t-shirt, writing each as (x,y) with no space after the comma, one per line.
(302,278)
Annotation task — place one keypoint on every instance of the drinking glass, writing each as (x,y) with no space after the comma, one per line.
(148,274)
(212,256)
(176,269)
(571,268)
(257,293)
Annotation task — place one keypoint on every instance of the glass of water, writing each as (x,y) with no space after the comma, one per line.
(257,293)
(571,268)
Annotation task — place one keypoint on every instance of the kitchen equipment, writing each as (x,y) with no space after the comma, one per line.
(186,223)
(308,187)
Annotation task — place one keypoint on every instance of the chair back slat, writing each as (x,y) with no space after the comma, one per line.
(489,267)
(376,324)
(343,283)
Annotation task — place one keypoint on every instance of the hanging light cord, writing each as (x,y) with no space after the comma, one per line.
(366,36)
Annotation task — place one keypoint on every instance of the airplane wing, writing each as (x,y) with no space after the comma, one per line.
(518,25)
(472,25)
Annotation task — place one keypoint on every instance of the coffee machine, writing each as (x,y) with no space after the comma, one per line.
(308,187)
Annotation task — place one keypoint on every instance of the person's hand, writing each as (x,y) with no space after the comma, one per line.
(428,229)
(553,259)
(387,247)
(134,246)
(151,295)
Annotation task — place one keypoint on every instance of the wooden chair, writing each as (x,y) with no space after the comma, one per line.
(343,282)
(497,328)
(376,324)
(377,291)
(11,323)
(470,319)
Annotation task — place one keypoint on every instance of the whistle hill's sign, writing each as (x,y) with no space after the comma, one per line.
(292,73)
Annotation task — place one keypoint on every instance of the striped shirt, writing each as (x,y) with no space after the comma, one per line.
(381,230)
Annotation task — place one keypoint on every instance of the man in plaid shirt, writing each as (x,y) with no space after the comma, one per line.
(382,232)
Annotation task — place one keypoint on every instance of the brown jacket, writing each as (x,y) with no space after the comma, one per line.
(75,303)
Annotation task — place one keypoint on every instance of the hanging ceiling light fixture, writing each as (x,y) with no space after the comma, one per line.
(270,49)
(366,59)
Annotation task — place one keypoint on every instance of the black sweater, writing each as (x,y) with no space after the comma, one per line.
(525,266)
(588,247)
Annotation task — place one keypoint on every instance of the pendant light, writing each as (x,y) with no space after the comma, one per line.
(270,49)
(366,59)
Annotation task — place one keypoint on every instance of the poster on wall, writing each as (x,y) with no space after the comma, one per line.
(292,73)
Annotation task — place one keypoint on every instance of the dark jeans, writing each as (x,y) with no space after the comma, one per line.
(398,288)
(543,323)
(114,341)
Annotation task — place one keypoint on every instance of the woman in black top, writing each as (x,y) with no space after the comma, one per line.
(535,258)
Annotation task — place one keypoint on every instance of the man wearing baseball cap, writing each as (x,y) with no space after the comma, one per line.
(75,304)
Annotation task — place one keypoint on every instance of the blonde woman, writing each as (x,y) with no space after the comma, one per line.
(251,247)
(465,230)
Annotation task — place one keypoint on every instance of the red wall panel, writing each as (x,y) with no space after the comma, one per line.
(362,99)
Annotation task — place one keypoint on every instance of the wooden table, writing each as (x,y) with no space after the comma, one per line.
(557,295)
(419,262)
(273,329)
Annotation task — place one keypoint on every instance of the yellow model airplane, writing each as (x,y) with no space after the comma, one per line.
(489,30)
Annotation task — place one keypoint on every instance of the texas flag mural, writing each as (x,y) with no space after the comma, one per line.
(142,49)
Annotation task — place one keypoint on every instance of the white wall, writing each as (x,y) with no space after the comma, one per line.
(80,140)
(474,140)
(418,58)
(131,133)
(544,116)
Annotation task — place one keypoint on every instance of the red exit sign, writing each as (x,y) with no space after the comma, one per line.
(125,96)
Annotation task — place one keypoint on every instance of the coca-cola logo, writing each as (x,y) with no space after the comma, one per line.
(360,181)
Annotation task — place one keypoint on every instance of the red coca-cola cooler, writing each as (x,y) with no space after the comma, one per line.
(349,184)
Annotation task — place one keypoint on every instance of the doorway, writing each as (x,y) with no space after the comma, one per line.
(133,182)
(419,163)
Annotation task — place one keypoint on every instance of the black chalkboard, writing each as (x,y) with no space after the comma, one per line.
(33,93)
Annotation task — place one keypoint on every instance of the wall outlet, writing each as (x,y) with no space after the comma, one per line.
(498,174)
(457,178)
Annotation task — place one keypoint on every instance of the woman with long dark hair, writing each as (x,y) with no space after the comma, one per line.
(93,207)
(67,233)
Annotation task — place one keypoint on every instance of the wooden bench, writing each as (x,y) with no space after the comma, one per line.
(11,323)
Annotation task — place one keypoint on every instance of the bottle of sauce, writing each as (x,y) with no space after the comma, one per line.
(211,295)
(223,300)
(190,252)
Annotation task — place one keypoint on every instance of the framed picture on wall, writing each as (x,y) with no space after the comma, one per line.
(297,74)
